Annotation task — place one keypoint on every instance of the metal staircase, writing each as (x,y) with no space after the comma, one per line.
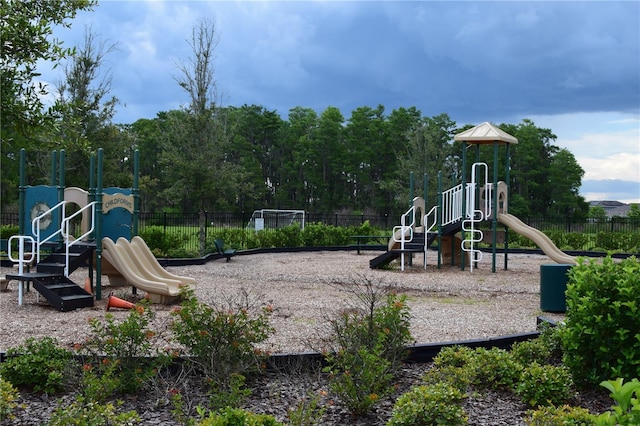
(51,276)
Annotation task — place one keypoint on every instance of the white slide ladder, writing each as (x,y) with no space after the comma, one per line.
(474,215)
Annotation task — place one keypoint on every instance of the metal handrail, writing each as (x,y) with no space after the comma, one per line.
(68,242)
(35,227)
(21,257)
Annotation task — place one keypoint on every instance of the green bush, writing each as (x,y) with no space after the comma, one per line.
(531,351)
(8,396)
(544,385)
(38,363)
(627,408)
(221,339)
(359,378)
(238,417)
(82,413)
(457,377)
(494,368)
(121,353)
(577,240)
(437,404)
(370,342)
(7,231)
(600,336)
(559,416)
(162,243)
(454,356)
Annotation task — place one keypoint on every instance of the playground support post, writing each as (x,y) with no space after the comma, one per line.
(60,186)
(507,179)
(494,222)
(22,190)
(98,231)
(464,203)
(136,193)
(439,219)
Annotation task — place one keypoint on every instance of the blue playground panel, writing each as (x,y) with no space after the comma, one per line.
(117,214)
(39,199)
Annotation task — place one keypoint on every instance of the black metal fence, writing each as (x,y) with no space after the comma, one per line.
(189,223)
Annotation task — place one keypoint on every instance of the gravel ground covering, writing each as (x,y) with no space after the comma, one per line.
(305,289)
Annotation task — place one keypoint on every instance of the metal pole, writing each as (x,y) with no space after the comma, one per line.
(136,193)
(439,219)
(98,224)
(507,180)
(22,192)
(494,222)
(61,192)
(464,204)
(54,170)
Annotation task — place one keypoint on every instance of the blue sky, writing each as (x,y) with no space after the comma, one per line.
(573,67)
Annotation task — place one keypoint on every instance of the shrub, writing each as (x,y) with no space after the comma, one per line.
(380,319)
(38,363)
(81,413)
(359,378)
(457,377)
(369,344)
(221,339)
(494,368)
(160,242)
(437,404)
(238,417)
(121,354)
(559,416)
(544,385)
(602,321)
(454,356)
(308,412)
(531,351)
(627,408)
(8,396)
(7,231)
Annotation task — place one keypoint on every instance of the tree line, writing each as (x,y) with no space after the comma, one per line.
(209,157)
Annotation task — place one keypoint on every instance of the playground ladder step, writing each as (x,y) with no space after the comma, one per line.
(62,293)
(79,254)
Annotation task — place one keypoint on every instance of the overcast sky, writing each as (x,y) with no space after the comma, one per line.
(572,67)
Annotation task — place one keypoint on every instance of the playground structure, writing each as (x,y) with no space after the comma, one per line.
(59,240)
(454,222)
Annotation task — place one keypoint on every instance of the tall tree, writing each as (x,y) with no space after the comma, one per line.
(326,175)
(366,138)
(195,147)
(86,115)
(430,151)
(26,29)
(294,170)
(255,146)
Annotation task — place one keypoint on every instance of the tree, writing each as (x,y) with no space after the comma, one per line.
(325,172)
(366,138)
(197,138)
(430,151)
(26,37)
(544,179)
(564,179)
(86,113)
(255,148)
(294,171)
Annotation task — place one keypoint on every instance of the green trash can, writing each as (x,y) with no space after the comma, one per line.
(553,286)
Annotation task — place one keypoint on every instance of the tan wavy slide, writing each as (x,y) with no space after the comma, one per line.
(135,262)
(538,237)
